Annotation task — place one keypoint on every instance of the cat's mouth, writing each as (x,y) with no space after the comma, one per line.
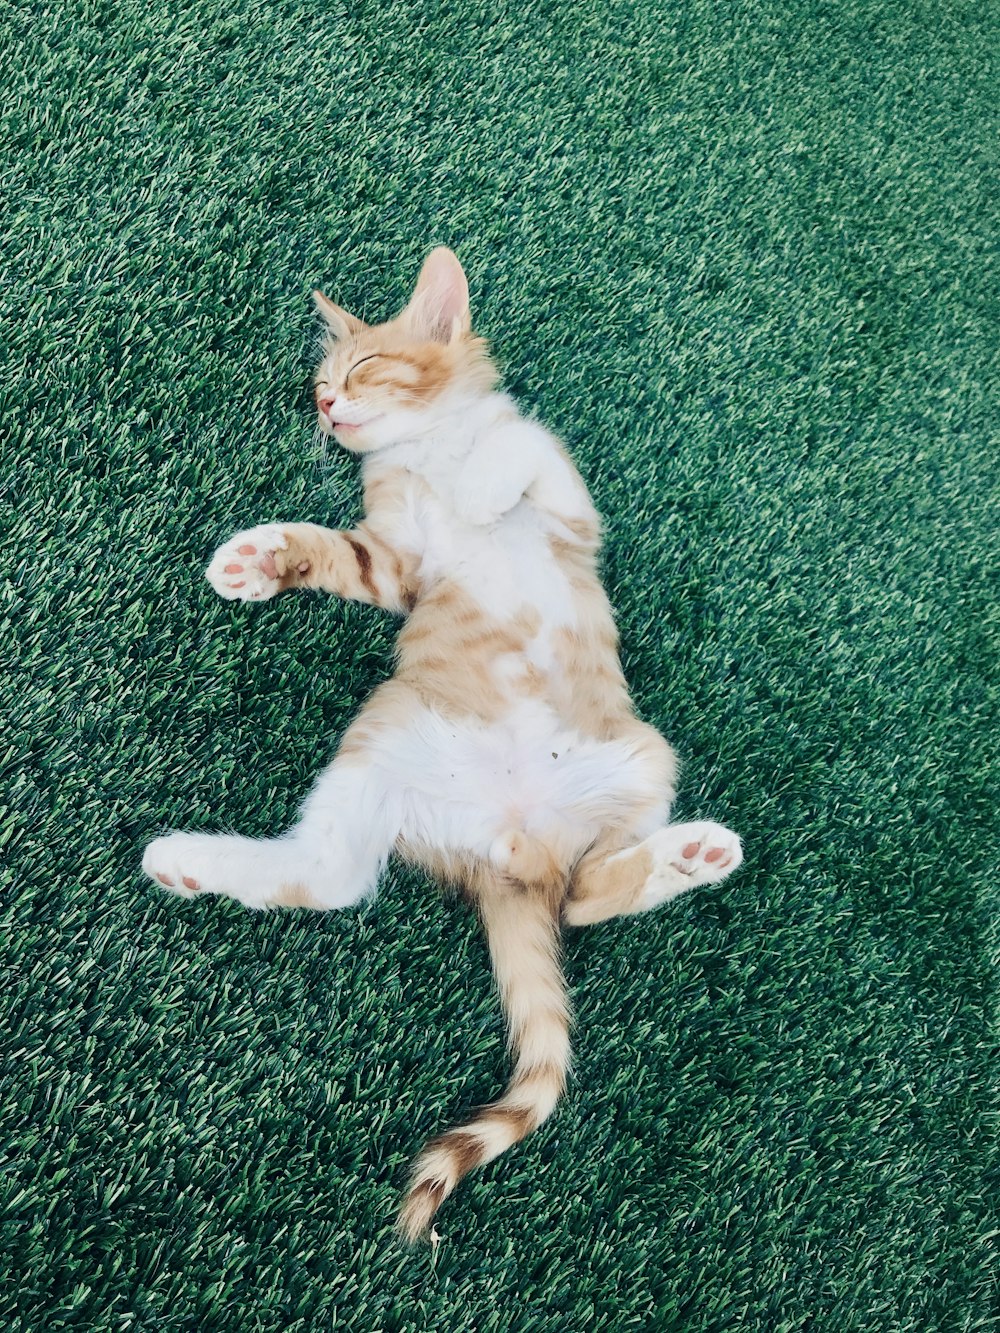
(350,426)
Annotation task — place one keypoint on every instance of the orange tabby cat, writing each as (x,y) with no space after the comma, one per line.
(504,755)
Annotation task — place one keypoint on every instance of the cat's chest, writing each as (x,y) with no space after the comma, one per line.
(506,565)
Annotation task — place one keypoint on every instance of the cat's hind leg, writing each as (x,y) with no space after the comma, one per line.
(331,858)
(616,880)
(278,872)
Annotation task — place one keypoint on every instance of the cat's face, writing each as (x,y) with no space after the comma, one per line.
(382,383)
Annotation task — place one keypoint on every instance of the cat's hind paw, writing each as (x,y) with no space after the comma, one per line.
(686,855)
(250,566)
(164,861)
(194,864)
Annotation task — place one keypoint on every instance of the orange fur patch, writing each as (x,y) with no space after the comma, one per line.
(402,370)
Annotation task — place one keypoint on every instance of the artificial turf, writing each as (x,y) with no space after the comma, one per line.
(738,255)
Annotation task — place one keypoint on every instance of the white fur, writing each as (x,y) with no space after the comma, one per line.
(461,785)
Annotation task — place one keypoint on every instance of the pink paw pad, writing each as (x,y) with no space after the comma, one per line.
(190,883)
(267,565)
(702,852)
(247,549)
(233,569)
(713,855)
(165,880)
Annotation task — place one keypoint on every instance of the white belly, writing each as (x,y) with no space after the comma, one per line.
(461,785)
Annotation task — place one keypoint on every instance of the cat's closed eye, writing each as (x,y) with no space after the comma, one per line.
(373,357)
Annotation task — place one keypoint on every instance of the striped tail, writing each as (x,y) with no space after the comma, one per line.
(522,931)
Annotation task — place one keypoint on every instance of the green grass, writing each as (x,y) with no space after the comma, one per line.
(739,256)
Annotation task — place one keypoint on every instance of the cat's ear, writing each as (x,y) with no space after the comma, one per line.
(438,310)
(339,322)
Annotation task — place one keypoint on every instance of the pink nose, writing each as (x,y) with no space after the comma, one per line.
(325,400)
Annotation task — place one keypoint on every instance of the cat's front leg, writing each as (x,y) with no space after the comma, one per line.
(260,562)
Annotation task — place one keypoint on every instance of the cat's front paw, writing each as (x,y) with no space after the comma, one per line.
(479,508)
(250,566)
(483,495)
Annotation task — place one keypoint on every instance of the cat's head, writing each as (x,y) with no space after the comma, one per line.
(381,383)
